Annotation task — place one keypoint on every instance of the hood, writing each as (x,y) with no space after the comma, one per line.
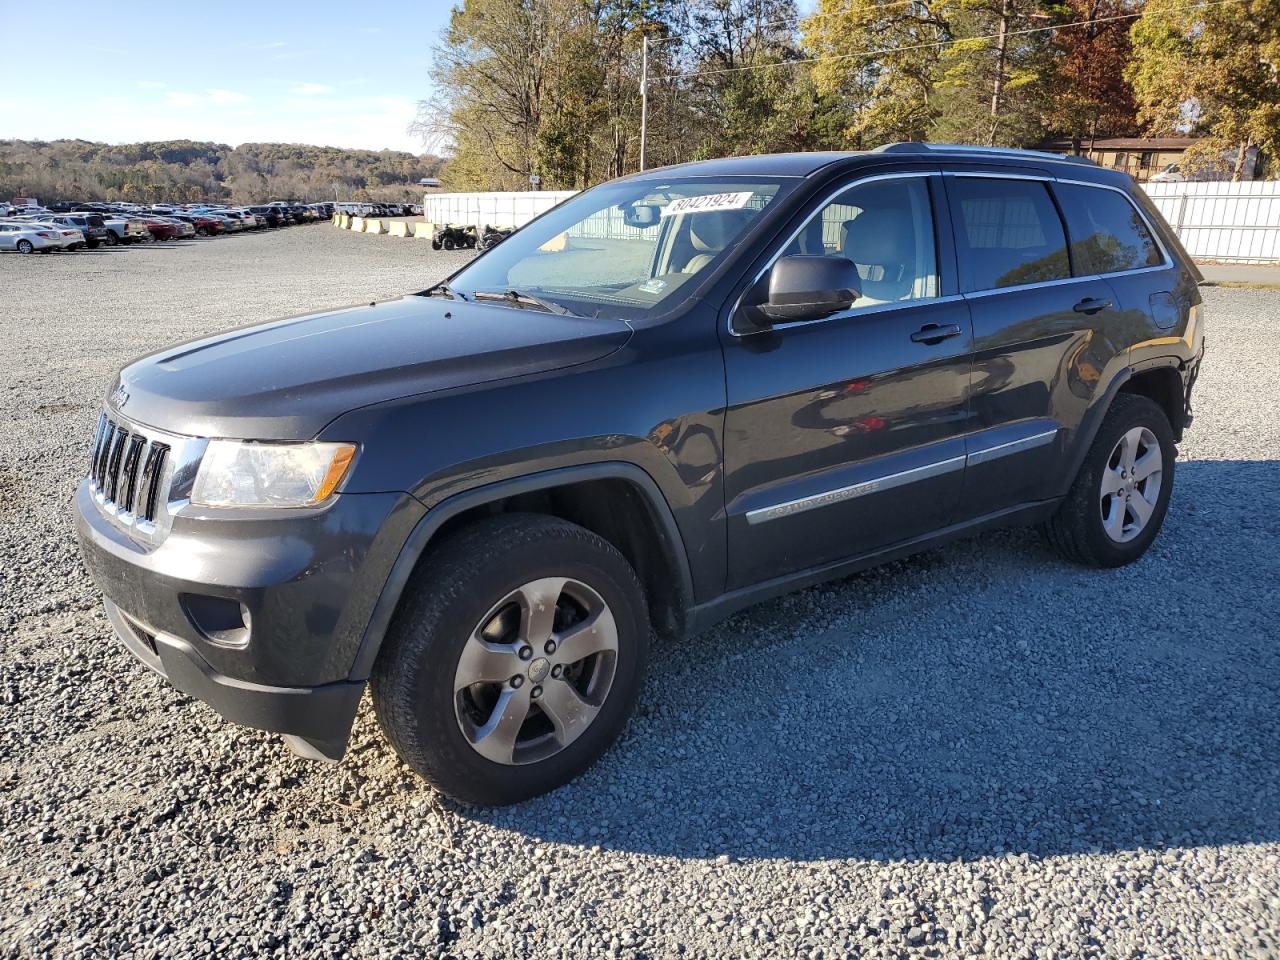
(287,379)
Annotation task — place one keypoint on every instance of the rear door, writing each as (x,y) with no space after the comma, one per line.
(1110,238)
(1043,339)
(845,435)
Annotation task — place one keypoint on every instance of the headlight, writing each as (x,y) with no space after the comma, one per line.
(238,473)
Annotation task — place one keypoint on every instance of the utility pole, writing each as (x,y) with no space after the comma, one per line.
(644,97)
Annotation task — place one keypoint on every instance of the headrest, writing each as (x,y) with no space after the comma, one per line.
(712,232)
(878,236)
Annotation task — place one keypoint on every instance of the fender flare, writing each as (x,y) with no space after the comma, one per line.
(1091,422)
(421,536)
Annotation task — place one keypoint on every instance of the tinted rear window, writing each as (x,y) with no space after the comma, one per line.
(1008,232)
(1107,233)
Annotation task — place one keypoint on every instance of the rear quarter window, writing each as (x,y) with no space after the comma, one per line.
(1107,233)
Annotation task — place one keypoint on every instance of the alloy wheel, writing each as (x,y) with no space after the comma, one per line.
(535,671)
(1130,487)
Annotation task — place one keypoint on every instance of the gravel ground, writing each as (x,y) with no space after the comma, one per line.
(977,751)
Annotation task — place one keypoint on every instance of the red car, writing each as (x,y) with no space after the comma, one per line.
(205,226)
(158,229)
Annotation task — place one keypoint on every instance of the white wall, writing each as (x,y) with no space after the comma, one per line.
(1236,222)
(494,209)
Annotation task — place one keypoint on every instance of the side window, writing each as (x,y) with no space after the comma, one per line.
(1108,234)
(886,228)
(1007,233)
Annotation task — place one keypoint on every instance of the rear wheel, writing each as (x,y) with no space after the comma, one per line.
(111,239)
(1119,498)
(514,660)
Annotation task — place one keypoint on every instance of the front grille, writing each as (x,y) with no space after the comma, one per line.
(126,468)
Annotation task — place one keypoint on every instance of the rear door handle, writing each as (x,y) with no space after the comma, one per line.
(1091,305)
(935,333)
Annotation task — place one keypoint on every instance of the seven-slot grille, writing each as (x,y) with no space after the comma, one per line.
(126,468)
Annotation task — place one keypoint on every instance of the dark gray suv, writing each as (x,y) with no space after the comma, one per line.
(669,397)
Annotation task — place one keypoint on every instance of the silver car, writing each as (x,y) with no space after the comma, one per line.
(67,238)
(27,237)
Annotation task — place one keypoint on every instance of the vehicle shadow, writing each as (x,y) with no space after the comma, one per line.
(980,699)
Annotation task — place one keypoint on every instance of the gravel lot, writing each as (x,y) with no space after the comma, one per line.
(981,750)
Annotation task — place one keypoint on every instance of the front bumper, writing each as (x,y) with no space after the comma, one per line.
(317,720)
(306,583)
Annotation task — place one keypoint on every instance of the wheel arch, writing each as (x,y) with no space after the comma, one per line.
(607,498)
(1163,385)
(1161,376)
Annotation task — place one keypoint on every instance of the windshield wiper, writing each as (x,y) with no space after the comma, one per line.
(519,299)
(442,288)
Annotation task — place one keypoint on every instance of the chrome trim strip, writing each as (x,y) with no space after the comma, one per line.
(980,175)
(817,211)
(841,494)
(1013,446)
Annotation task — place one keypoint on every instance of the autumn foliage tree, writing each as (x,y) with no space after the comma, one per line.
(1088,95)
(1213,70)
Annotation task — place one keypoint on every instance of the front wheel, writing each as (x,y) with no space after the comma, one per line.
(515,659)
(111,240)
(1120,496)
(25,246)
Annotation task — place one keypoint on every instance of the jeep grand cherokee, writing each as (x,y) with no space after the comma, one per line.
(673,395)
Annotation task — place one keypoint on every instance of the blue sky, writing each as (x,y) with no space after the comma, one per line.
(344,74)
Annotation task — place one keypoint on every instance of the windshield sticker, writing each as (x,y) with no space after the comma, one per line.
(656,285)
(707,203)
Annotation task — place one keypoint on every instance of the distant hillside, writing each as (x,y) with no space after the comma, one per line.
(186,170)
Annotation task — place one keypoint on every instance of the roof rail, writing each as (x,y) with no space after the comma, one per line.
(913,146)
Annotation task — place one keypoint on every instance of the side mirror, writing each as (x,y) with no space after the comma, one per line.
(640,214)
(806,287)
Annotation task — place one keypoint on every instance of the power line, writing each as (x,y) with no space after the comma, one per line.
(923,46)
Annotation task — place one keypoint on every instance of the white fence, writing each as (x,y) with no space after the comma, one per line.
(497,209)
(1236,222)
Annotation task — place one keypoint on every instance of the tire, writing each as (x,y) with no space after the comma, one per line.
(1094,528)
(483,578)
(202,232)
(111,239)
(448,243)
(436,245)
(25,246)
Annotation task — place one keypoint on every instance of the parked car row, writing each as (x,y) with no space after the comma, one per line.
(70,226)
(378,209)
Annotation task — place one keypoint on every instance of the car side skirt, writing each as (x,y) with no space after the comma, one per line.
(706,615)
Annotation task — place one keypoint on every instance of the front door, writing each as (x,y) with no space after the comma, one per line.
(845,435)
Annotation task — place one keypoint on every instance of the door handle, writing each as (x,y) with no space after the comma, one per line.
(1091,305)
(932,333)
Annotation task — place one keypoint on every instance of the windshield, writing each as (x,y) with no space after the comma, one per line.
(623,249)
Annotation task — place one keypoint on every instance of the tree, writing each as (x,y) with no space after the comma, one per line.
(961,70)
(1088,93)
(1210,70)
(883,62)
